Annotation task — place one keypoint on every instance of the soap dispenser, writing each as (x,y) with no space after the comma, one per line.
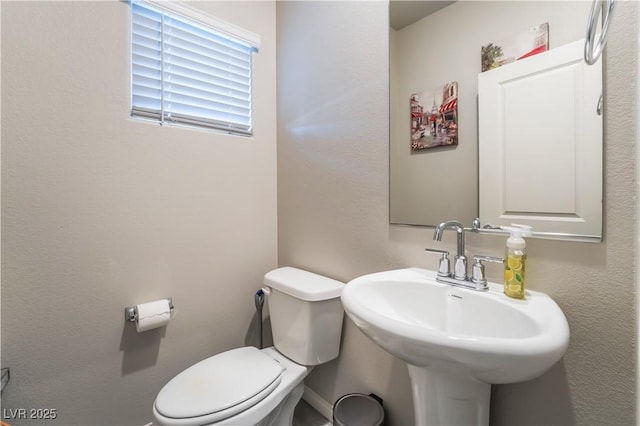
(516,256)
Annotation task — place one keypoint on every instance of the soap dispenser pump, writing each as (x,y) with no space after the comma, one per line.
(516,256)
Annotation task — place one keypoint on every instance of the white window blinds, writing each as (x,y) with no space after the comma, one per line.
(184,72)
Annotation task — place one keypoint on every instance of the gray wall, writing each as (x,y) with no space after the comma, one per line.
(333,174)
(100,212)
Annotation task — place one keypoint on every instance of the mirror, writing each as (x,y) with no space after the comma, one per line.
(434,43)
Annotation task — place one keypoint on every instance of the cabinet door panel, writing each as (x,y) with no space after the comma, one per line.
(540,143)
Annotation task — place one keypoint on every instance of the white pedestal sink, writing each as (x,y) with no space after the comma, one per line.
(456,341)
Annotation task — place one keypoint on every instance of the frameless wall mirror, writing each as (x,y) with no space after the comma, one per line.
(454,155)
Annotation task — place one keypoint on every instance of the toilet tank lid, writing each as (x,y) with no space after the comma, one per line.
(303,285)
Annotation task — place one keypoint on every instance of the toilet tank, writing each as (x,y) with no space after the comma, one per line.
(306,315)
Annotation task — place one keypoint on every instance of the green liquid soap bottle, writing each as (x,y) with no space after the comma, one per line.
(515,260)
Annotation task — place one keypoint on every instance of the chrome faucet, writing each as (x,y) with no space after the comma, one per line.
(459,276)
(460,261)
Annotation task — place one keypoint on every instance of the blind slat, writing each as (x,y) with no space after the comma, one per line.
(214,59)
(206,103)
(182,73)
(211,75)
(206,44)
(208,90)
(236,128)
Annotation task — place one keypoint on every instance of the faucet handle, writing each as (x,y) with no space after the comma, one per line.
(477,275)
(444,267)
(488,259)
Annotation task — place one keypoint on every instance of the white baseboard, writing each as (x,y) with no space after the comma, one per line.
(318,403)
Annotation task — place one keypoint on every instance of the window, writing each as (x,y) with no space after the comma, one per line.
(190,71)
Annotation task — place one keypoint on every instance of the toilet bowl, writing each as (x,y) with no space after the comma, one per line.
(248,386)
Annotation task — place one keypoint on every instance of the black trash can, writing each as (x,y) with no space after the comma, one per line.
(358,409)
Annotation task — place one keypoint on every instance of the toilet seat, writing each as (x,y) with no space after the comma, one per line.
(219,387)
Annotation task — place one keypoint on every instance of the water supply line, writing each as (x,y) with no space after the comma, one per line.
(259,301)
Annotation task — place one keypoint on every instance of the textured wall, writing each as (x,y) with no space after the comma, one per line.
(333,218)
(100,211)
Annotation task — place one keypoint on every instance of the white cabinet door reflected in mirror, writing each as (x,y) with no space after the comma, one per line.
(540,143)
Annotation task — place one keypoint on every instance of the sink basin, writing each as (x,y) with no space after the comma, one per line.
(455,340)
(424,322)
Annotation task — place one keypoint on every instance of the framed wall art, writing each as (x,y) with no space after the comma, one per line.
(434,117)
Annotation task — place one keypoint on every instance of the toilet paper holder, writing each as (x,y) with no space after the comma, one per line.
(131,313)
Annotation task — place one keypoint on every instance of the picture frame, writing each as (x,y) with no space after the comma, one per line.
(434,117)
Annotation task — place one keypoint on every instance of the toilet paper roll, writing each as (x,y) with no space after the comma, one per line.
(153,315)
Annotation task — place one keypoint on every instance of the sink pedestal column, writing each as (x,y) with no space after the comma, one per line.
(442,399)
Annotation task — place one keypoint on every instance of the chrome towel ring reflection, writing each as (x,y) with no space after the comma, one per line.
(593,48)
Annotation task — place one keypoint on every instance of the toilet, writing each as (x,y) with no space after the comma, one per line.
(249,386)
